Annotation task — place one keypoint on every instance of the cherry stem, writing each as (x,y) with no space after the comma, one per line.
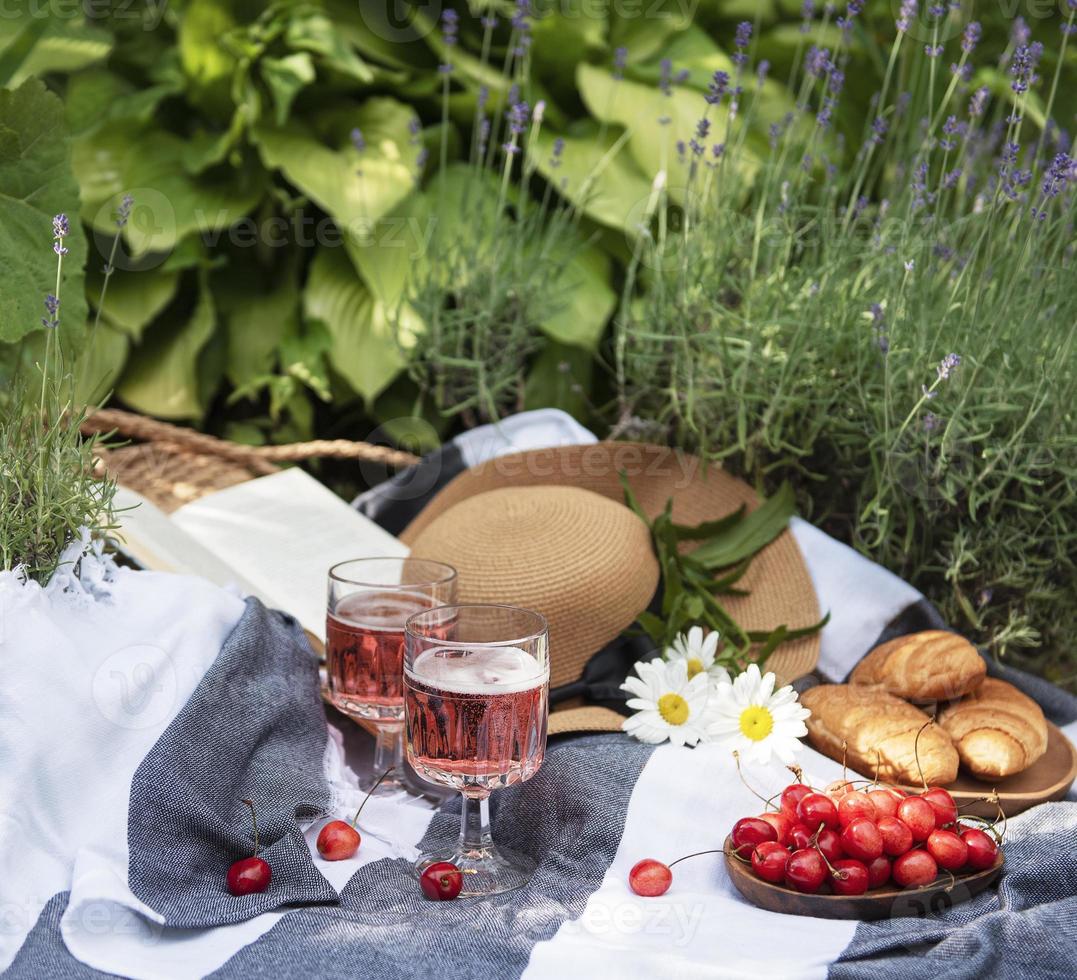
(377,783)
(916,750)
(254,820)
(696,854)
(736,759)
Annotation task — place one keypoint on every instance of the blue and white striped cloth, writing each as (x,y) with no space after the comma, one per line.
(154,904)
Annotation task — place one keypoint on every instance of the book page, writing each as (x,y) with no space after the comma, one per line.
(282,533)
(149,537)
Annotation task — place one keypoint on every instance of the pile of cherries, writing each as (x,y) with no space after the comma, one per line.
(855,839)
(847,840)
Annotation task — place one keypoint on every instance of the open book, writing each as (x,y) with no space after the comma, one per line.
(274,537)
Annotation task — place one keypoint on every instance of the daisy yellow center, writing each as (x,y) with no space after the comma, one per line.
(695,666)
(673,709)
(756,722)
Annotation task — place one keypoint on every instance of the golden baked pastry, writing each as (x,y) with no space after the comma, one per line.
(880,733)
(934,665)
(998,730)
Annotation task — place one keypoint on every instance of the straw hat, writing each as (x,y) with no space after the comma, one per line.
(547,529)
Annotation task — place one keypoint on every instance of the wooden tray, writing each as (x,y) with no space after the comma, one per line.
(1045,780)
(880,903)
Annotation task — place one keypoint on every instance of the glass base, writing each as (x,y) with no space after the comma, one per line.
(358,710)
(486,870)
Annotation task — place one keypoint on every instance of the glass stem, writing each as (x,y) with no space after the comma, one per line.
(475,825)
(389,749)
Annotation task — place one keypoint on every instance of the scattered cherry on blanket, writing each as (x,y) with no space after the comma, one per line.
(441,881)
(252,874)
(918,815)
(850,877)
(338,840)
(982,849)
(806,871)
(651,878)
(914,869)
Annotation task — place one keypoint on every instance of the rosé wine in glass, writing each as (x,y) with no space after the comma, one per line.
(476,718)
(475,704)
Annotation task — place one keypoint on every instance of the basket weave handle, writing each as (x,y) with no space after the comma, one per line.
(259,458)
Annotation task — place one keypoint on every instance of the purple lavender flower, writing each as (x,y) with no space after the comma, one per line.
(949,180)
(1023,66)
(60,230)
(761,72)
(682,150)
(878,130)
(665,76)
(978,102)
(775,134)
(358,140)
(620,59)
(937,10)
(933,50)
(481,99)
(1020,33)
(489,22)
(971,36)
(483,137)
(123,212)
(817,63)
(878,323)
(951,129)
(807,11)
(450,27)
(931,421)
(521,24)
(517,117)
(948,365)
(741,41)
(1059,173)
(52,308)
(719,85)
(906,14)
(717,150)
(845,23)
(558,150)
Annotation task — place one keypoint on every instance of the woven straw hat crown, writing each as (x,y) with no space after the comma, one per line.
(582,560)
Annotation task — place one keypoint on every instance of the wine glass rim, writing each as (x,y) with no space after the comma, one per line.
(449,573)
(542,630)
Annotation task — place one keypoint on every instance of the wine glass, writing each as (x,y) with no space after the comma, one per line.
(476,681)
(369,600)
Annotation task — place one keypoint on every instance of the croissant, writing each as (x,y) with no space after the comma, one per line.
(998,730)
(880,734)
(934,665)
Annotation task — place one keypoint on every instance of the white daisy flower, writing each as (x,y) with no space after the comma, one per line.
(750,716)
(698,653)
(667,703)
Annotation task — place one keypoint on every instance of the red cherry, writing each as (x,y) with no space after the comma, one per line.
(886,803)
(815,809)
(806,871)
(837,789)
(782,823)
(441,881)
(649,878)
(769,860)
(949,850)
(792,795)
(829,844)
(915,868)
(897,838)
(855,804)
(338,841)
(799,836)
(849,877)
(251,874)
(878,872)
(918,815)
(862,840)
(750,831)
(981,847)
(943,804)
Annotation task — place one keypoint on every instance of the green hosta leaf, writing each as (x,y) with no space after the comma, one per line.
(96,96)
(609,186)
(560,377)
(302,356)
(162,376)
(313,31)
(367,27)
(133,298)
(257,327)
(587,300)
(19,45)
(100,364)
(364,349)
(35,184)
(286,78)
(644,37)
(692,50)
(207,63)
(126,157)
(41,41)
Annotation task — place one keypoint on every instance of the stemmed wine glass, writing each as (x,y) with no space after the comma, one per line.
(369,600)
(476,681)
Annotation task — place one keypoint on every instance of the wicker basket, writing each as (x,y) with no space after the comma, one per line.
(172,466)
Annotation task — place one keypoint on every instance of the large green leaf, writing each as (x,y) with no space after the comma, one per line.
(364,349)
(64,42)
(125,157)
(311,30)
(583,288)
(560,377)
(286,78)
(100,364)
(609,186)
(35,184)
(207,62)
(162,374)
(133,298)
(258,326)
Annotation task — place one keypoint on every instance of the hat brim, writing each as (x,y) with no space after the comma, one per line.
(779,587)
